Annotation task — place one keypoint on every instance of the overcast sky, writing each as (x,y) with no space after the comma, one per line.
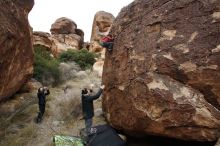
(82,12)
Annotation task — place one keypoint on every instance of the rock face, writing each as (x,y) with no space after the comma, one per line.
(16,55)
(163,76)
(64,35)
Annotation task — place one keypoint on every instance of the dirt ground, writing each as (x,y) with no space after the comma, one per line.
(62,116)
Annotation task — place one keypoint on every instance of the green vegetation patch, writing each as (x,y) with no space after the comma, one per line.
(83,57)
(45,67)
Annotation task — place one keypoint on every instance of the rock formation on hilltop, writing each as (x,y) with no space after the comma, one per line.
(16,51)
(101,26)
(163,75)
(64,35)
(63,26)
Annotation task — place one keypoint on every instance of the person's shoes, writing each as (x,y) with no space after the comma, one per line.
(38,120)
(93,130)
(110,50)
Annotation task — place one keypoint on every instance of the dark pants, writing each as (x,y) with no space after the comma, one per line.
(88,124)
(41,112)
(107,45)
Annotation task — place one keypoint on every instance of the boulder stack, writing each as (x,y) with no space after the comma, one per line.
(64,35)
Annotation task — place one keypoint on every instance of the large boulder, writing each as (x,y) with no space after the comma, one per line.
(16,55)
(163,76)
(63,25)
(65,35)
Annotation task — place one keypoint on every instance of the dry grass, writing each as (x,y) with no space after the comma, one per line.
(19,130)
(62,116)
(71,108)
(21,138)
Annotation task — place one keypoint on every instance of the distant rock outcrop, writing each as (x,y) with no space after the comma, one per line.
(163,76)
(63,26)
(64,35)
(16,51)
(101,26)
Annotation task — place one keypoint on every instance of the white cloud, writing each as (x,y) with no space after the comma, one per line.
(82,12)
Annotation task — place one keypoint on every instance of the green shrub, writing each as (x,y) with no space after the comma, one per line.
(45,67)
(83,57)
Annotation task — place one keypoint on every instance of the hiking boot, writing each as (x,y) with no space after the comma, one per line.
(39,118)
(93,131)
(110,50)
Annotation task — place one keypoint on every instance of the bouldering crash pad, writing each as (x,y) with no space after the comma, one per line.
(61,140)
(104,135)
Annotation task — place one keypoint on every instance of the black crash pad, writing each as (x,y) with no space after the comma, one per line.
(104,135)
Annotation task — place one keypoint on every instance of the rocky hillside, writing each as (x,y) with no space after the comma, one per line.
(162,77)
(64,35)
(16,57)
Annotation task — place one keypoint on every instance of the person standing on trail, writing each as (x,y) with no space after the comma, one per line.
(41,94)
(107,42)
(87,105)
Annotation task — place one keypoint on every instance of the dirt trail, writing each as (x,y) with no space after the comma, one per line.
(62,116)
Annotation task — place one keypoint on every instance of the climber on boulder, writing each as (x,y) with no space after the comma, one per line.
(107,42)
